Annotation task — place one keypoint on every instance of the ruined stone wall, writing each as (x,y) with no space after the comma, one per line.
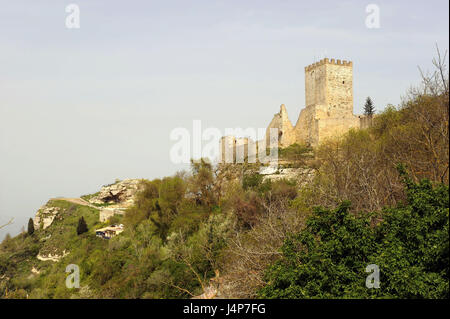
(365,121)
(241,149)
(280,121)
(329,128)
(235,150)
(227,149)
(306,128)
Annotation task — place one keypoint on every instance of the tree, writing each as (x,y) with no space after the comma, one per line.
(82,226)
(369,109)
(202,183)
(409,244)
(30,227)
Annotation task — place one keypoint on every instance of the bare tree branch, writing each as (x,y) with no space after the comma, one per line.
(8,223)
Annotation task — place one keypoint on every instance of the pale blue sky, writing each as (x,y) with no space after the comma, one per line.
(82,107)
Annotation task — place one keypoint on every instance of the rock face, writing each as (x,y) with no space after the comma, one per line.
(35,271)
(301,175)
(120,194)
(51,257)
(45,216)
(268,170)
(117,197)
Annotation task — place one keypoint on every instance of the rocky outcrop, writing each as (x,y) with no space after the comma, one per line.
(45,216)
(302,175)
(117,197)
(35,271)
(120,194)
(51,257)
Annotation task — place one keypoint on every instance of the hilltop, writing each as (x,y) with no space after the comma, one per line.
(376,195)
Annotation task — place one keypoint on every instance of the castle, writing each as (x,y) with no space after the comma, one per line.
(328,111)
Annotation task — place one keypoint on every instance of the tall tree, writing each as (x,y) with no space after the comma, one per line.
(202,182)
(30,227)
(82,226)
(369,109)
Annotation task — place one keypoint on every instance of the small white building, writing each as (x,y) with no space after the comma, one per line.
(109,231)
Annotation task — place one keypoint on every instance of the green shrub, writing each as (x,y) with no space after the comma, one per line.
(251,181)
(328,259)
(295,152)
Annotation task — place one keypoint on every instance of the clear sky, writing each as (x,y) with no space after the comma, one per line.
(82,107)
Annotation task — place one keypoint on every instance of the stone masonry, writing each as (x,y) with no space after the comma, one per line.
(328,111)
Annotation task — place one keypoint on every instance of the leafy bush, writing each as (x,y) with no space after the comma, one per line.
(251,181)
(248,209)
(328,259)
(296,153)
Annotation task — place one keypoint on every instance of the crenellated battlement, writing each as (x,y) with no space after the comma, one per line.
(328,61)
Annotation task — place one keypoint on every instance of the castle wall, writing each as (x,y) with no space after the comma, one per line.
(241,149)
(339,90)
(329,128)
(227,149)
(306,128)
(365,121)
(236,150)
(315,89)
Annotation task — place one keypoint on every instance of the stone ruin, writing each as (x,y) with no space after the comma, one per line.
(328,111)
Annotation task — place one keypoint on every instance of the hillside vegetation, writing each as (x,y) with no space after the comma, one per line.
(377,196)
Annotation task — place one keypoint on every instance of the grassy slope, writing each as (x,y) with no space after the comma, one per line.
(18,255)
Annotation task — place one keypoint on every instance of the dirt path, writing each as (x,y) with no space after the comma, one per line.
(78,201)
(103,210)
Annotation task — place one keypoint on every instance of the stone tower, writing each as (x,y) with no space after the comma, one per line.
(329,87)
(329,102)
